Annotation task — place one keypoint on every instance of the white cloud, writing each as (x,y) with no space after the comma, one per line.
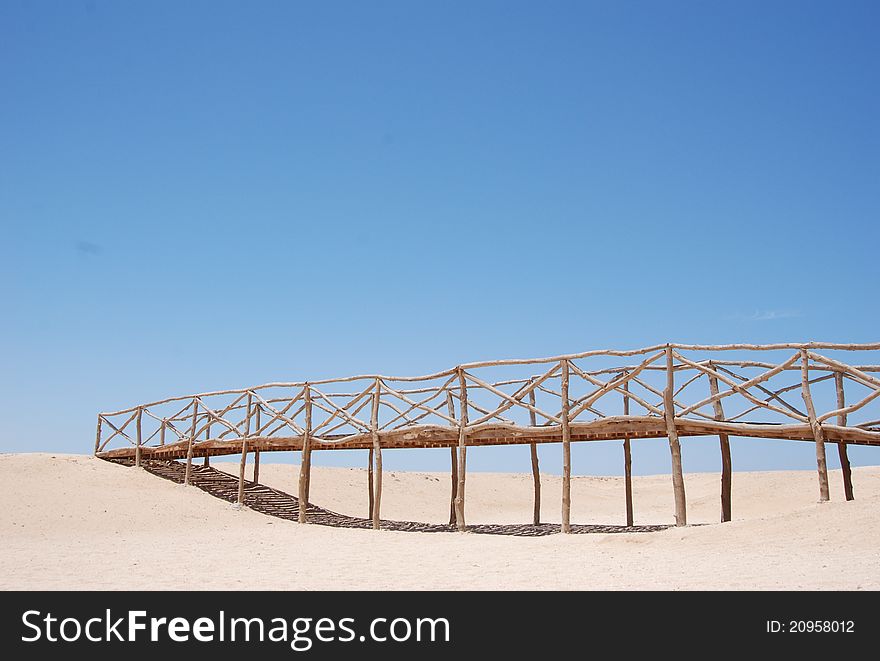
(769,315)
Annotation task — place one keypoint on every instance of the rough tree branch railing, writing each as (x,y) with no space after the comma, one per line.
(529,401)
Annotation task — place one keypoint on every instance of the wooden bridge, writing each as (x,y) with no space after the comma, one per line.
(788,391)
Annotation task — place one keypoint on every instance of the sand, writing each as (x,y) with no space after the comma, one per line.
(75,522)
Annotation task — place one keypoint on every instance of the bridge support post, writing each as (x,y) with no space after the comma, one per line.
(462,452)
(305,465)
(845,468)
(256,466)
(241,468)
(818,433)
(370,484)
(256,452)
(536,473)
(137,450)
(453,462)
(627,464)
(453,465)
(189,445)
(566,452)
(674,445)
(244,450)
(628,483)
(377,454)
(207,461)
(98,434)
(726,465)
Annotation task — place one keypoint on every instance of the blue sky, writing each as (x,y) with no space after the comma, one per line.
(204,195)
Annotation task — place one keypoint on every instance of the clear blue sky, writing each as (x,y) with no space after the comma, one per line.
(198,195)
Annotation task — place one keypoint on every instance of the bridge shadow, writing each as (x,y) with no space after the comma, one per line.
(282,505)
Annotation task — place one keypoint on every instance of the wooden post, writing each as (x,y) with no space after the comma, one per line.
(841,446)
(674,445)
(536,473)
(137,450)
(305,464)
(370,484)
(566,453)
(241,468)
(462,452)
(377,454)
(207,461)
(627,464)
(98,435)
(257,452)
(162,433)
(244,450)
(453,461)
(189,446)
(726,466)
(818,434)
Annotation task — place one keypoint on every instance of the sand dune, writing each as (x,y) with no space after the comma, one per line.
(74,522)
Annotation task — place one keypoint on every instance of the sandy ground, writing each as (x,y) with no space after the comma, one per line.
(74,522)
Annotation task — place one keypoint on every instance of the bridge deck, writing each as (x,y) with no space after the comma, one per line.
(432,436)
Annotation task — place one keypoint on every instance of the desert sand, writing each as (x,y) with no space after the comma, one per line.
(76,522)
